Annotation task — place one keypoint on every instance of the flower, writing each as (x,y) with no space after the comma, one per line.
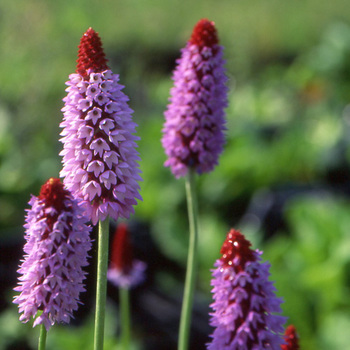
(193,133)
(291,338)
(124,270)
(55,252)
(245,305)
(99,149)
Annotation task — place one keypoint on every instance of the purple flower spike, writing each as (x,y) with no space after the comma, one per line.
(55,252)
(245,305)
(99,148)
(124,270)
(193,133)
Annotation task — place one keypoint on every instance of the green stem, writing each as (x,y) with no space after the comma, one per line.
(42,338)
(186,312)
(101,287)
(124,317)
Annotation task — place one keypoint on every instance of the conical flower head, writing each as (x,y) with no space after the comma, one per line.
(91,57)
(193,133)
(124,271)
(245,308)
(56,249)
(99,149)
(291,338)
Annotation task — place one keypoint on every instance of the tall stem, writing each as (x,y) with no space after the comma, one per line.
(187,302)
(42,338)
(101,287)
(124,317)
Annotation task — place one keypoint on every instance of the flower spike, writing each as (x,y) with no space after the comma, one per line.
(245,308)
(124,270)
(193,133)
(55,252)
(99,149)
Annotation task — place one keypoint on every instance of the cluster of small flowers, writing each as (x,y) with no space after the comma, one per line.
(124,271)
(58,241)
(99,155)
(245,306)
(193,131)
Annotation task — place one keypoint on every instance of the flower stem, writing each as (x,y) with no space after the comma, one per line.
(42,338)
(124,317)
(101,287)
(186,312)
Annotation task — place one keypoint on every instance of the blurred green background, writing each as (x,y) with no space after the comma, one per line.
(283,179)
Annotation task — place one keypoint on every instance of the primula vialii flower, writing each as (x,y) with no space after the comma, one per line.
(291,339)
(99,150)
(245,304)
(124,270)
(55,252)
(194,120)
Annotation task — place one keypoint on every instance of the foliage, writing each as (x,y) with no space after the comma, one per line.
(311,267)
